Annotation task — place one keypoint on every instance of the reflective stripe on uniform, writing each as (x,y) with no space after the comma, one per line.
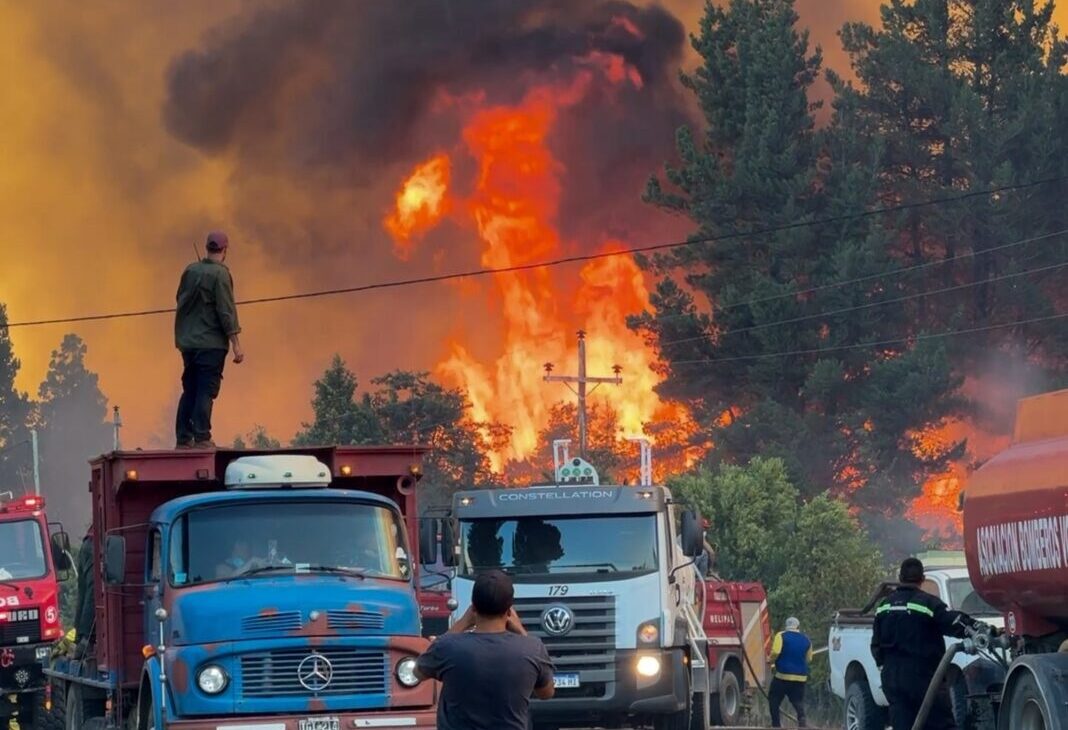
(917,607)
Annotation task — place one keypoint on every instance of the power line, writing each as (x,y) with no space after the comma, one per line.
(578,258)
(867,305)
(872,277)
(9,447)
(864,345)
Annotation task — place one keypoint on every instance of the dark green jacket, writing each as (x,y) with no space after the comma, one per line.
(206,316)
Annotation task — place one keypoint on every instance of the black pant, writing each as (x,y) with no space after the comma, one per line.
(786,689)
(201,379)
(905,683)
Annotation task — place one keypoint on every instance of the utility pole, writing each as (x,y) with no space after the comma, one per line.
(116,424)
(36,462)
(582,380)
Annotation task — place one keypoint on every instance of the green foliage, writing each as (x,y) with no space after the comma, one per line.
(15,410)
(406,408)
(257,438)
(812,556)
(841,415)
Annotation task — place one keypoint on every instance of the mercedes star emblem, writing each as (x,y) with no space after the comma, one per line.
(315,672)
(557,620)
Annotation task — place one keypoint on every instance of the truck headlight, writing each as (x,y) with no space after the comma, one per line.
(648,666)
(212,679)
(406,672)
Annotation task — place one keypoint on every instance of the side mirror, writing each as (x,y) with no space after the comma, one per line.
(115,560)
(428,541)
(61,551)
(692,539)
(448,544)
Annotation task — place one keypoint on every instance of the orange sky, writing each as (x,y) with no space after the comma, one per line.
(99,206)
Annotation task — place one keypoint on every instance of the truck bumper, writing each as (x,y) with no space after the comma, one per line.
(21,670)
(418,719)
(629,695)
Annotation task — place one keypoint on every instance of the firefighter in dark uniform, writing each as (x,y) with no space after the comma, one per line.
(907,645)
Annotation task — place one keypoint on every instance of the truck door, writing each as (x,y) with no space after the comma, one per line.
(154,572)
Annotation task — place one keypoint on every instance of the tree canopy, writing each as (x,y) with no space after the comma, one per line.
(406,408)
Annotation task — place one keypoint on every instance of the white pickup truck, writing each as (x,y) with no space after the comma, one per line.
(855,678)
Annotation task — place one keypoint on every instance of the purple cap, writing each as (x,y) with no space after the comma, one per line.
(217,241)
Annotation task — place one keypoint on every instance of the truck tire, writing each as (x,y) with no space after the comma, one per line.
(699,717)
(79,710)
(35,716)
(677,720)
(861,712)
(1027,708)
(57,716)
(727,703)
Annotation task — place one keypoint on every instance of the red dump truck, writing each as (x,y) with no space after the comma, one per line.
(1016,543)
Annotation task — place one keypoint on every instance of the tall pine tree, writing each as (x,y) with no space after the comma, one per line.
(71,414)
(759,333)
(15,409)
(968,95)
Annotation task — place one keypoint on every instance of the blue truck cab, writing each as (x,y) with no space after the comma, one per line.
(272,599)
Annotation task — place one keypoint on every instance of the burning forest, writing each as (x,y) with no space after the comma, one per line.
(352,144)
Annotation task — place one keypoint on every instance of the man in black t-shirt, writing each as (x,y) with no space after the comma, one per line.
(488,666)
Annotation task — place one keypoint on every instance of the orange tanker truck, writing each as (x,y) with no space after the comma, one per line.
(1016,543)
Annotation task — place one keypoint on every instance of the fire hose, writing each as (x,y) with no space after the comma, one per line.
(979,641)
(936,684)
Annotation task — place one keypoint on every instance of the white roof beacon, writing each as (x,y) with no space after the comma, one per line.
(277,471)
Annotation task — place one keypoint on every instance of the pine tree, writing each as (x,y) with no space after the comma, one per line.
(71,413)
(15,410)
(971,95)
(839,414)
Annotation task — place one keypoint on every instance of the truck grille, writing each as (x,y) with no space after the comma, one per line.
(590,647)
(274,673)
(348,620)
(272,623)
(13,633)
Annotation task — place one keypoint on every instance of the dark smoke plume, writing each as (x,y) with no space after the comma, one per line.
(338,92)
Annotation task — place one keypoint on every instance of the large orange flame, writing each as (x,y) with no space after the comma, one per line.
(513,206)
(420,203)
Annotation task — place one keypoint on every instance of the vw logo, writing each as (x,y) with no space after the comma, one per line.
(557,620)
(315,672)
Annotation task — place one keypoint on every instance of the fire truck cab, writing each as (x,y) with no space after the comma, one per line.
(29,605)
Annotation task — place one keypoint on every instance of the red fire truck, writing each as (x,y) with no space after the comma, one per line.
(738,628)
(29,605)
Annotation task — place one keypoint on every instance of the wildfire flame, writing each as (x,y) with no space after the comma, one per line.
(420,204)
(513,206)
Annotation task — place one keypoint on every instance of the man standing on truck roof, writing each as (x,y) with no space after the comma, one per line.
(205,326)
(907,645)
(488,666)
(791,654)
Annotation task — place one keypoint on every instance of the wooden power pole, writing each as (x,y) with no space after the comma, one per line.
(581,381)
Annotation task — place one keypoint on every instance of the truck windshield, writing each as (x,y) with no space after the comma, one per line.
(553,546)
(962,597)
(262,539)
(21,550)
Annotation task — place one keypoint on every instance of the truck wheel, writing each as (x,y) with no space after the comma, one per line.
(74,716)
(861,712)
(1027,709)
(57,716)
(33,714)
(676,721)
(727,703)
(699,717)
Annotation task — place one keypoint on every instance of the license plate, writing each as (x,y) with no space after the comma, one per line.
(563,681)
(320,723)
